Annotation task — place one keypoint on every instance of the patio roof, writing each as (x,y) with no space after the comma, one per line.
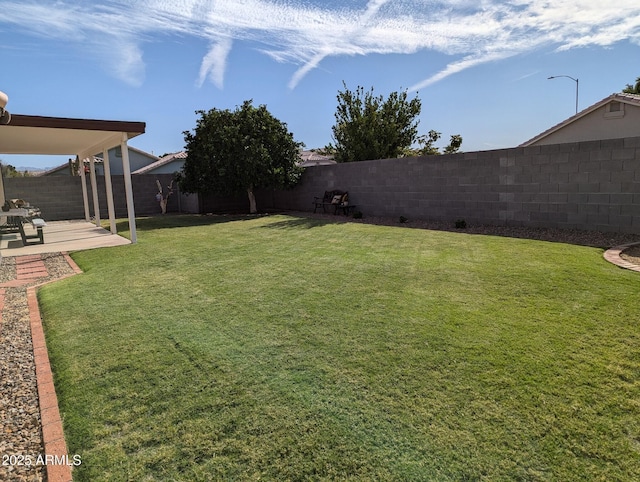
(28,134)
(39,135)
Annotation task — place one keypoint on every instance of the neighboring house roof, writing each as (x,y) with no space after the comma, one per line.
(142,153)
(628,99)
(54,170)
(64,168)
(153,161)
(311,158)
(163,161)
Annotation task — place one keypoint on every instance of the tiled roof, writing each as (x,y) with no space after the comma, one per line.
(62,167)
(169,158)
(633,99)
(312,158)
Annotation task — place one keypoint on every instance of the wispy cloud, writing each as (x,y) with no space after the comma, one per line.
(215,62)
(305,33)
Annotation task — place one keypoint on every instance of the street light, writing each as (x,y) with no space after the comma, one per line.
(568,77)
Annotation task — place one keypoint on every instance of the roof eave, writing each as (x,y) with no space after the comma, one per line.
(625,98)
(132,128)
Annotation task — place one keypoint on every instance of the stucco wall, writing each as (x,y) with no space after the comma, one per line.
(587,185)
(599,124)
(137,160)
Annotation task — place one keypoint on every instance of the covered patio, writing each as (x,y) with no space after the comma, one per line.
(62,236)
(82,139)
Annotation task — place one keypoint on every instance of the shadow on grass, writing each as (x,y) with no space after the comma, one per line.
(298,223)
(169,221)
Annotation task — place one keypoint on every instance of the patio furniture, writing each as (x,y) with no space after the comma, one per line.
(32,211)
(28,239)
(13,221)
(336,198)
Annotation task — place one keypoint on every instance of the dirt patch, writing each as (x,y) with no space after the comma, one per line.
(596,239)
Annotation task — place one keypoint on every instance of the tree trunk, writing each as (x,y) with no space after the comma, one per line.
(252,200)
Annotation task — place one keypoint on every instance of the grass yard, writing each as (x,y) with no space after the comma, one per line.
(286,348)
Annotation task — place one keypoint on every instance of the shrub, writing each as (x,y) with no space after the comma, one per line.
(357,215)
(461,224)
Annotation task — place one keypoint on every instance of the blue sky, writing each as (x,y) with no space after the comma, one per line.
(480,67)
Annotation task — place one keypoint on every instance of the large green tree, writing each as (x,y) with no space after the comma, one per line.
(10,171)
(239,151)
(372,127)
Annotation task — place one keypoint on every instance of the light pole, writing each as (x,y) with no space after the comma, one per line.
(568,77)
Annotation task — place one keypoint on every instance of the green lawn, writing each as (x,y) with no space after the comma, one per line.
(286,348)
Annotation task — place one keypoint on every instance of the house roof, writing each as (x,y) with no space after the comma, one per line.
(142,153)
(164,160)
(65,166)
(633,99)
(53,170)
(312,158)
(28,134)
(96,159)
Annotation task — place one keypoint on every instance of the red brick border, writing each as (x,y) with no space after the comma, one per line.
(613,256)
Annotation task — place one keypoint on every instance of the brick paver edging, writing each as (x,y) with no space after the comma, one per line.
(613,256)
(52,432)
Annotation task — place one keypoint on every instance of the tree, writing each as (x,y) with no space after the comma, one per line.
(427,142)
(455,142)
(371,127)
(632,89)
(8,170)
(241,150)
(427,146)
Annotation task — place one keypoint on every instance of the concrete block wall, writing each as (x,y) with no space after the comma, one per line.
(591,185)
(233,204)
(587,185)
(60,197)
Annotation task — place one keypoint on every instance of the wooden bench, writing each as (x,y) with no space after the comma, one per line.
(336,199)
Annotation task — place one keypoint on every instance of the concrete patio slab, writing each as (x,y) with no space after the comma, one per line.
(61,236)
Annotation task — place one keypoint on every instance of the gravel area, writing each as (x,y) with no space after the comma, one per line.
(20,428)
(7,269)
(584,238)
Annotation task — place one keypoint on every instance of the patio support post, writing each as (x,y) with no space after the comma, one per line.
(94,190)
(2,197)
(109,191)
(85,195)
(128,188)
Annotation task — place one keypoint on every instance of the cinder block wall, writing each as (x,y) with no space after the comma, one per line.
(586,185)
(238,203)
(60,197)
